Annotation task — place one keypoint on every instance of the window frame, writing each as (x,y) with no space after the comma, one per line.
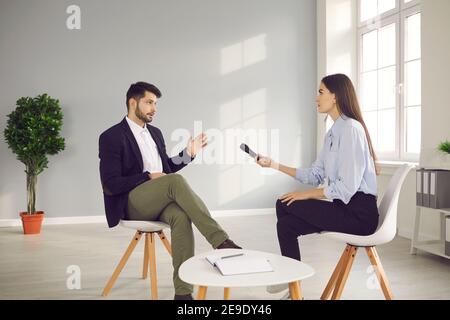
(383,16)
(410,4)
(398,15)
(383,23)
(408,156)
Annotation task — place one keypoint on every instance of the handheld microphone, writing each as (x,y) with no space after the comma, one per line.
(250,152)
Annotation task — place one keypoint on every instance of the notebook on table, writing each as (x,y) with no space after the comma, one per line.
(233,264)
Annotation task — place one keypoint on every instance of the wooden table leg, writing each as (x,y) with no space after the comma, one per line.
(202,292)
(226,294)
(299,290)
(294,290)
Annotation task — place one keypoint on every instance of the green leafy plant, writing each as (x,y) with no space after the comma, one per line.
(444,147)
(32,133)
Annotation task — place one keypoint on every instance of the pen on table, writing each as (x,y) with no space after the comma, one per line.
(233,255)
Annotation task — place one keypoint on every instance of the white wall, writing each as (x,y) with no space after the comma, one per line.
(435,111)
(336,33)
(322,57)
(435,76)
(435,99)
(337,39)
(230,64)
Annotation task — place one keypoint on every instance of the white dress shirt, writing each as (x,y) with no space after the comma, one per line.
(149,151)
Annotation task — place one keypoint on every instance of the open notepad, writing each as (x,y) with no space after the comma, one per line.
(230,264)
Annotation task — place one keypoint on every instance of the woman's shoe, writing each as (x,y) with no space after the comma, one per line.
(183,297)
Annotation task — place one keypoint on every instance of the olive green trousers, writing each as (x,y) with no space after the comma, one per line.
(170,199)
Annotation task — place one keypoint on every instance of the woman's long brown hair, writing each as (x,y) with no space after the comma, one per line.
(347,103)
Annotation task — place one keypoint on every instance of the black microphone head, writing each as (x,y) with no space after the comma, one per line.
(244,147)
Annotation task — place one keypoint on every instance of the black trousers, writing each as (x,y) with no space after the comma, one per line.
(358,217)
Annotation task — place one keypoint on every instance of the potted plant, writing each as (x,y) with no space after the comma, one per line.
(444,147)
(32,133)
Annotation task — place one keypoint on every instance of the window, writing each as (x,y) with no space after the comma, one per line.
(390,76)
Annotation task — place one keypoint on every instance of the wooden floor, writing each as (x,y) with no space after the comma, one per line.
(35,267)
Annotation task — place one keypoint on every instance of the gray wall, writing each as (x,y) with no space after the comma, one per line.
(177,45)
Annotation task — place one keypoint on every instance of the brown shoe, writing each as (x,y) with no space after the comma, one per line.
(228,244)
(183,297)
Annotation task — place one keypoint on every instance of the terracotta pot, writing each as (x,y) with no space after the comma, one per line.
(32,222)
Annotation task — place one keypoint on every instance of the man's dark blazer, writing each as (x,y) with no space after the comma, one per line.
(121,166)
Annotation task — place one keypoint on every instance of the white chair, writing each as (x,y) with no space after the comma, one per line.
(149,228)
(386,231)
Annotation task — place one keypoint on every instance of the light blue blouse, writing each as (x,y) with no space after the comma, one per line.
(344,163)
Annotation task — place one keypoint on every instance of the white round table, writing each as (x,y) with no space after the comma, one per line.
(198,271)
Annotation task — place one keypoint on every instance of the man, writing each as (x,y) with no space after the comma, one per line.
(139,181)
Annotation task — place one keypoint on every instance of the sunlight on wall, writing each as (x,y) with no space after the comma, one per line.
(341,37)
(229,183)
(243,54)
(340,18)
(233,112)
(243,120)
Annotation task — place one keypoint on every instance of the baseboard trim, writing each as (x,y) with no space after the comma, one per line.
(4,223)
(243,212)
(56,220)
(407,233)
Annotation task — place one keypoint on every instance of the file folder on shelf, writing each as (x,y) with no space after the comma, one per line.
(433,188)
(419,187)
(426,189)
(439,189)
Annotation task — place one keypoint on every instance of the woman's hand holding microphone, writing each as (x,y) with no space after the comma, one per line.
(291,197)
(263,161)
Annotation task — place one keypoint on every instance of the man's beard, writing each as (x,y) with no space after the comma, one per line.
(141,116)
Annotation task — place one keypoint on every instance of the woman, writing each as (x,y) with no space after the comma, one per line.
(346,168)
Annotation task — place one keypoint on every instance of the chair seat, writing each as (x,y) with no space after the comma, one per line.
(144,226)
(375,239)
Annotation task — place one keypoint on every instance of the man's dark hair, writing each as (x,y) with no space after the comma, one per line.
(137,91)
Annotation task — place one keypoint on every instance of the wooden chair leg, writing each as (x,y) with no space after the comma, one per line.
(382,278)
(298,287)
(344,273)
(165,242)
(294,290)
(122,263)
(201,293)
(145,266)
(226,294)
(332,282)
(152,262)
